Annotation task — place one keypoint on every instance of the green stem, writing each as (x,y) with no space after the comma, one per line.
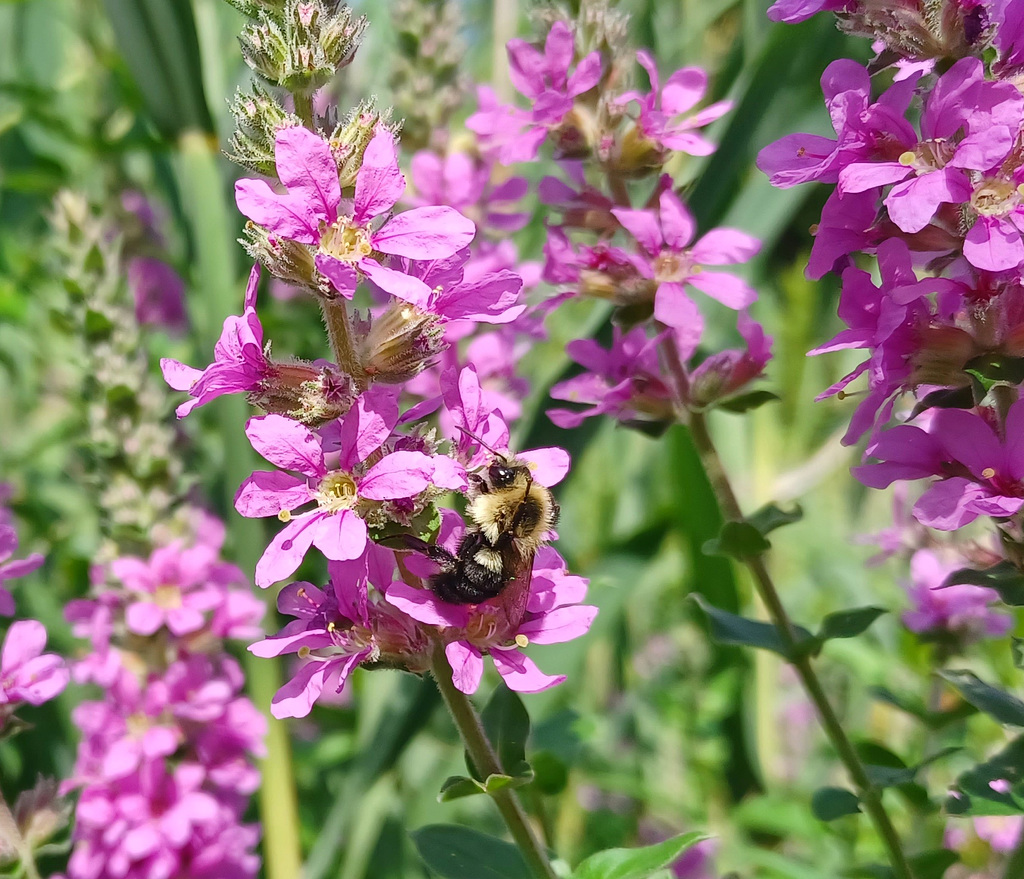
(339,334)
(10,831)
(487,763)
(304,108)
(867,792)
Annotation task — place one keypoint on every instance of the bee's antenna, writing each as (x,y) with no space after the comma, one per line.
(473,436)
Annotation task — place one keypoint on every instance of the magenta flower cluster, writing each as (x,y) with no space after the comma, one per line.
(165,766)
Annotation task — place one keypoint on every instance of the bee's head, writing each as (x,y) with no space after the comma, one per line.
(501,473)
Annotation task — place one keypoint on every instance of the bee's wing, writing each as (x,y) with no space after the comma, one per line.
(516,595)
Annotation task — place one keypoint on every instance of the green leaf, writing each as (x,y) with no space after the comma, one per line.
(849,623)
(635,863)
(916,707)
(975,784)
(739,540)
(507,724)
(924,865)
(1004,577)
(456,787)
(1017,648)
(728,628)
(461,853)
(993,701)
(770,517)
(741,403)
(551,775)
(830,803)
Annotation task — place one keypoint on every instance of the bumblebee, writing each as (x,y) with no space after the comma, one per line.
(510,516)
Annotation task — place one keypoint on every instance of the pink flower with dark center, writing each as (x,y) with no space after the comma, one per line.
(27,675)
(662,116)
(623,381)
(553,615)
(981,473)
(672,262)
(341,495)
(346,235)
(239,364)
(9,570)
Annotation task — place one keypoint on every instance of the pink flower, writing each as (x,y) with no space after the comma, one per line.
(9,570)
(239,364)
(159,294)
(553,615)
(175,588)
(981,473)
(345,235)
(661,112)
(339,627)
(672,262)
(624,381)
(545,79)
(340,494)
(26,673)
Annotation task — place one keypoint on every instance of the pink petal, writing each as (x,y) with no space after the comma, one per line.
(559,625)
(178,375)
(285,553)
(861,176)
(642,226)
(993,244)
(674,308)
(683,89)
(144,617)
(425,607)
(946,506)
(521,674)
(267,493)
(287,444)
(724,247)
(425,233)
(398,284)
(398,475)
(25,640)
(278,644)
(548,465)
(676,221)
(559,49)
(379,183)
(727,289)
(340,536)
(586,76)
(364,427)
(306,166)
(912,205)
(467,665)
(296,698)
(342,275)
(286,216)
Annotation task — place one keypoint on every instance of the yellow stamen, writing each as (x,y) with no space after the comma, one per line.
(908,158)
(285,515)
(522,641)
(988,472)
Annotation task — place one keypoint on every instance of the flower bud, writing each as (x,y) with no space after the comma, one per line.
(350,138)
(305,393)
(401,343)
(258,118)
(288,260)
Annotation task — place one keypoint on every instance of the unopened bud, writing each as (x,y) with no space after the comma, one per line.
(350,138)
(292,262)
(401,343)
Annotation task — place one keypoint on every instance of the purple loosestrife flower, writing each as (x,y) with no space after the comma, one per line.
(624,381)
(339,627)
(961,610)
(343,495)
(552,615)
(967,123)
(10,570)
(27,675)
(981,474)
(544,78)
(673,261)
(239,364)
(661,118)
(464,183)
(345,234)
(159,294)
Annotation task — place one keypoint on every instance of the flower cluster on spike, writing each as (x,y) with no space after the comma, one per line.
(928,177)
(165,767)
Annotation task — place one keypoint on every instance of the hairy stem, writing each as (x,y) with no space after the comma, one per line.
(730,507)
(487,763)
(304,108)
(339,334)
